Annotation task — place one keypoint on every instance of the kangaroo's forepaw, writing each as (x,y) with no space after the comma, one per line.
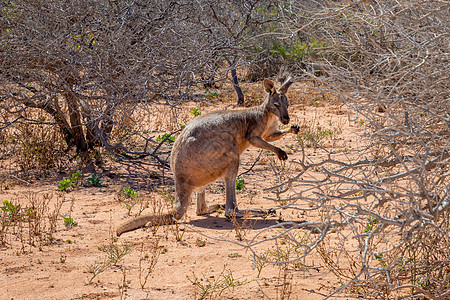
(295,129)
(282,155)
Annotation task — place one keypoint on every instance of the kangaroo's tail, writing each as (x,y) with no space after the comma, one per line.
(141,221)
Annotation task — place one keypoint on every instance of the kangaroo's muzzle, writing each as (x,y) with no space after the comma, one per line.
(285,120)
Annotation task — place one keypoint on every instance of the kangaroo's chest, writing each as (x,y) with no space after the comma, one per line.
(270,128)
(262,129)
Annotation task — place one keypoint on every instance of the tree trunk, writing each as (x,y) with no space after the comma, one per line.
(75,122)
(235,81)
(237,88)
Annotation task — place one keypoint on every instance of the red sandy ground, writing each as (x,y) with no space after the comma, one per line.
(208,245)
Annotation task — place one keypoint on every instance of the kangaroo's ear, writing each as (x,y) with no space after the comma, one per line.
(284,88)
(269,86)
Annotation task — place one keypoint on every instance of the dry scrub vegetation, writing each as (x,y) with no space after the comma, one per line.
(89,83)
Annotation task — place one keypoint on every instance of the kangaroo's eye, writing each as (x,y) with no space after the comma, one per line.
(276,104)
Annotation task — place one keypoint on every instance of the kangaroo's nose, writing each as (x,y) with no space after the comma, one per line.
(285,120)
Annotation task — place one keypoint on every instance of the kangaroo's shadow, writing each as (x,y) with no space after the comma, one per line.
(222,223)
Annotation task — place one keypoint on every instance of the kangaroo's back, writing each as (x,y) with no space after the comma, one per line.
(205,130)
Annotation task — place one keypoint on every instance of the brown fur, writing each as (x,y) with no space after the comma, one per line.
(209,148)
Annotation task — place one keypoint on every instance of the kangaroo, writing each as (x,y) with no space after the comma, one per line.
(209,148)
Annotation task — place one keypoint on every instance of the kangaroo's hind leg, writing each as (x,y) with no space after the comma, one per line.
(231,209)
(202,208)
(183,195)
(230,189)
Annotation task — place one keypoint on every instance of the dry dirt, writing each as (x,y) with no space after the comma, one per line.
(208,249)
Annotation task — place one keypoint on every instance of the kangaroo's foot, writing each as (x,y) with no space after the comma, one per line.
(210,209)
(251,212)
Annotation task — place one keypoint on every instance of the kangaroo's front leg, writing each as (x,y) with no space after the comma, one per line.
(257,141)
(278,134)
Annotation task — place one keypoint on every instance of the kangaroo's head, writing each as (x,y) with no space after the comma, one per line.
(278,103)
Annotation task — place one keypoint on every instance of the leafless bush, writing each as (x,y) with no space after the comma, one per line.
(30,221)
(87,66)
(90,69)
(93,68)
(148,258)
(388,203)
